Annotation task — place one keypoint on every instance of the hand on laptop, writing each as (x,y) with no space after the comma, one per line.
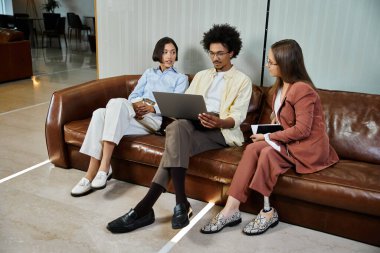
(210,120)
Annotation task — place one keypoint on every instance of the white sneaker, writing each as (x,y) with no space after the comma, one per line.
(81,188)
(100,180)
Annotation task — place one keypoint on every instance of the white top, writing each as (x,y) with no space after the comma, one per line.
(214,93)
(277,105)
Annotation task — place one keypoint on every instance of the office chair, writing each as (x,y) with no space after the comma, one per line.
(56,32)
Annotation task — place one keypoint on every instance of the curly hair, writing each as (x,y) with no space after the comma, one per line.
(225,34)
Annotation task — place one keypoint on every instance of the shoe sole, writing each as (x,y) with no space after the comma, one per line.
(103,186)
(262,232)
(179,226)
(81,194)
(230,224)
(129,228)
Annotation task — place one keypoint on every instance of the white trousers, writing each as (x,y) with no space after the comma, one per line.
(113,122)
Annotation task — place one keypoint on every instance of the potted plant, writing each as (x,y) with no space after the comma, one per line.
(51,5)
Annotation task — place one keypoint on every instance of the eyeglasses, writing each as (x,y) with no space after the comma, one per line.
(218,55)
(269,63)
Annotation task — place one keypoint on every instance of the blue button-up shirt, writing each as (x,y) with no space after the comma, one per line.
(154,79)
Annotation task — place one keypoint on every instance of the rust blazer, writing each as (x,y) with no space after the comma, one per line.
(304,133)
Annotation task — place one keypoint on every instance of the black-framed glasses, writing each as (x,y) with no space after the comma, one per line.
(218,55)
(269,63)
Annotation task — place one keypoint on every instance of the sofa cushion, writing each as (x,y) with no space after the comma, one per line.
(353,124)
(343,186)
(9,35)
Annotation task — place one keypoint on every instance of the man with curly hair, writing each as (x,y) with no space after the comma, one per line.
(227,93)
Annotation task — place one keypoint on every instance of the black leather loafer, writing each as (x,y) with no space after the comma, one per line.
(181,216)
(130,221)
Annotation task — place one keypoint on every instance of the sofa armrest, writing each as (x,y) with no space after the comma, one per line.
(76,103)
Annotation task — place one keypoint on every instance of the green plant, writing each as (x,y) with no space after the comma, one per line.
(51,5)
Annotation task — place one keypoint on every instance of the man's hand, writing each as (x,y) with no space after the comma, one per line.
(210,121)
(257,137)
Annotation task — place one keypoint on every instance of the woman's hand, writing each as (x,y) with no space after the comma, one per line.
(142,109)
(257,137)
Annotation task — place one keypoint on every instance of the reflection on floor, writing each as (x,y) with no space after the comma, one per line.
(37,213)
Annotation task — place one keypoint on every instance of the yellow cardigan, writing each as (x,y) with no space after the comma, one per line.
(234,102)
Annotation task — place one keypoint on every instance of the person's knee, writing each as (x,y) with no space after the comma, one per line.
(176,125)
(253,148)
(120,105)
(99,113)
(267,152)
(115,102)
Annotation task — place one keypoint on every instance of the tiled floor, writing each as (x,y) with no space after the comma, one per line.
(37,213)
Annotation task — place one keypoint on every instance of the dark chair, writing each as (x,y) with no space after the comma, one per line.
(56,32)
(76,24)
(25,24)
(50,20)
(7,21)
(22,23)
(21,15)
(70,21)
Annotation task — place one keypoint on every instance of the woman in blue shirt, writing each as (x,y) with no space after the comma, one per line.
(139,114)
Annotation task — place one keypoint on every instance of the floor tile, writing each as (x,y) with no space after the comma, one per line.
(284,238)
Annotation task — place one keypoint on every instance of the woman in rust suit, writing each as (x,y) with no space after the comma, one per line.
(302,145)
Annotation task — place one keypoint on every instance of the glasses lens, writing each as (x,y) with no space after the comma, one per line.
(217,54)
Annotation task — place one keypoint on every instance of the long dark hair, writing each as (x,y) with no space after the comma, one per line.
(289,58)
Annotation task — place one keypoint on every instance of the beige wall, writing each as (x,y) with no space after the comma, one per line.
(340,38)
(129,29)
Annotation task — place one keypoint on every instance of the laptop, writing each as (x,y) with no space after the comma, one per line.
(179,105)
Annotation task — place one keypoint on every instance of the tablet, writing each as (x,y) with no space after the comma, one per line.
(266,128)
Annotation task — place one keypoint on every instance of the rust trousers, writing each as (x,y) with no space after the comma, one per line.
(259,169)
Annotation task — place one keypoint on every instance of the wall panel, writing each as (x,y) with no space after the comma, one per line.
(129,29)
(340,40)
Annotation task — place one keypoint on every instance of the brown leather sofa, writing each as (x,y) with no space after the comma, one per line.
(342,200)
(16,58)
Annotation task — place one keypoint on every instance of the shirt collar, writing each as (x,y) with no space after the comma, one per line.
(166,70)
(227,74)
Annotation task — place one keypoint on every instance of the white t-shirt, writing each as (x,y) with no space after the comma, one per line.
(214,93)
